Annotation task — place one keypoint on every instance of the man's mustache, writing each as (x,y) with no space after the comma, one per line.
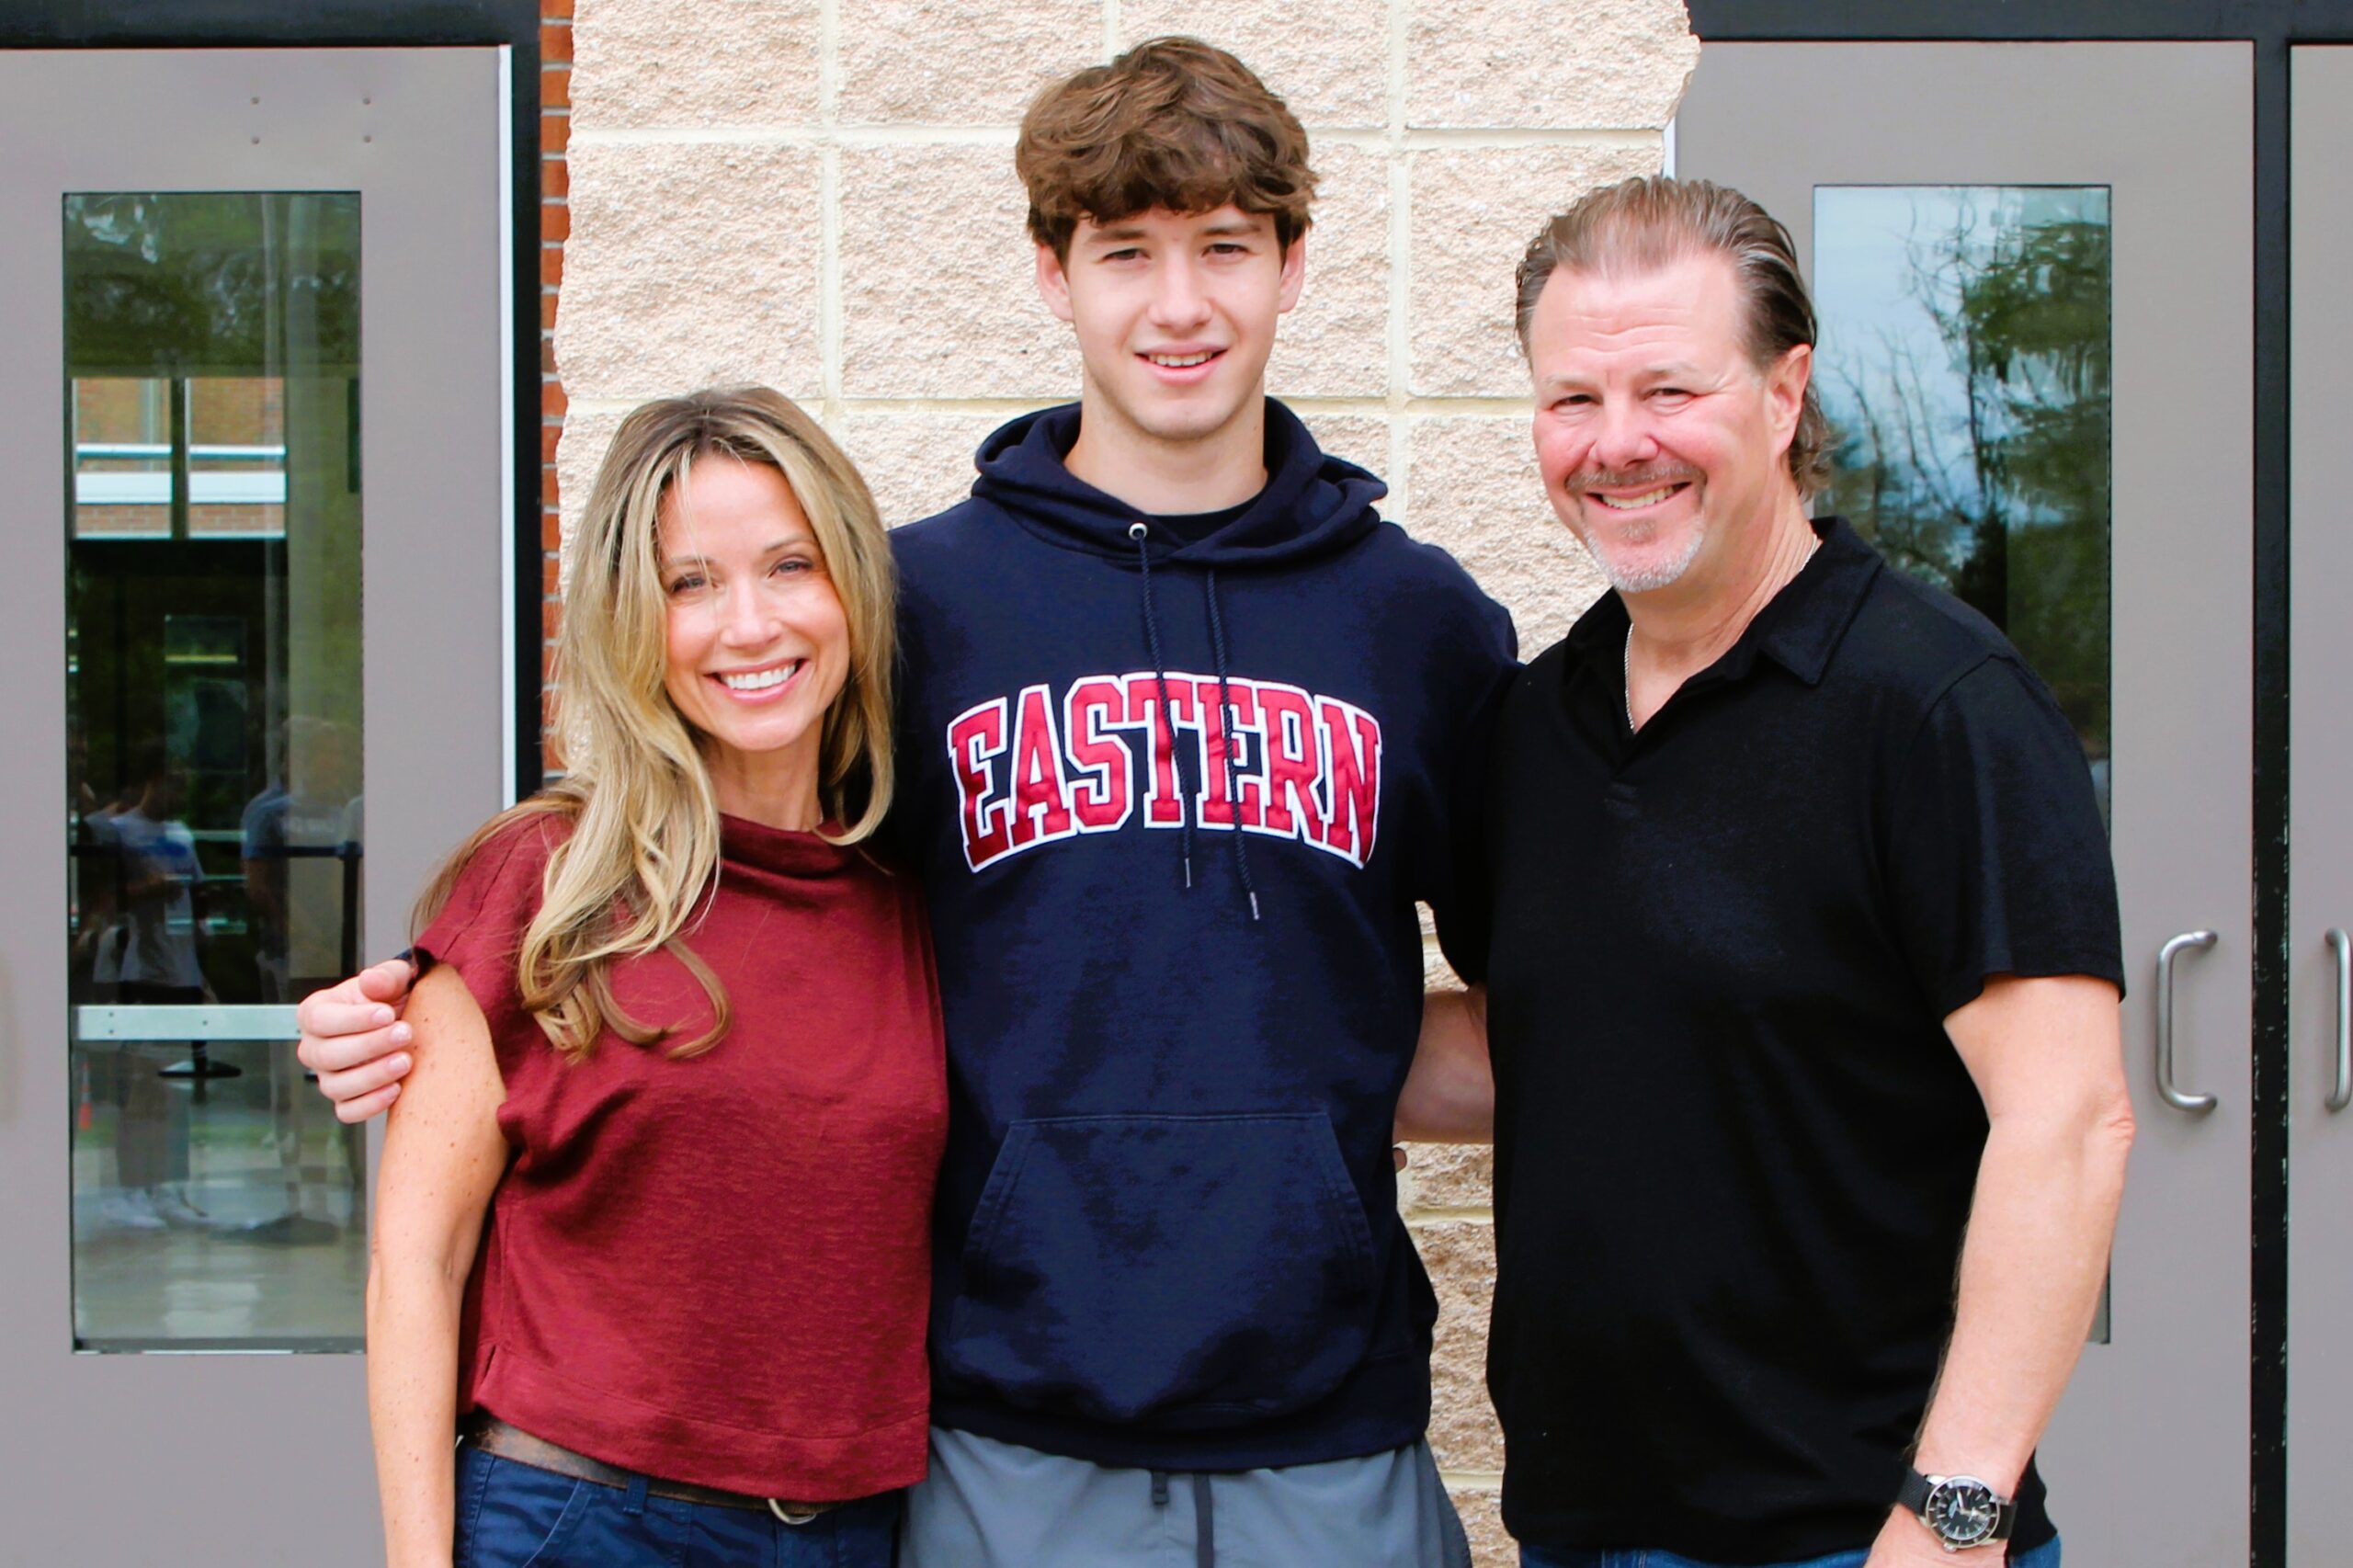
(1632,478)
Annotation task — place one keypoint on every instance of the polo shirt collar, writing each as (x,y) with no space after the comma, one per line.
(1800,629)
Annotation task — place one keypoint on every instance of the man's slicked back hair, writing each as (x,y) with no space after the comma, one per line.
(1172,123)
(1641,224)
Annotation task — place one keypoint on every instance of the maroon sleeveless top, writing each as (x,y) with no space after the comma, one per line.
(716,1270)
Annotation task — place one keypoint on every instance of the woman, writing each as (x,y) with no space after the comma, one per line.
(653,1219)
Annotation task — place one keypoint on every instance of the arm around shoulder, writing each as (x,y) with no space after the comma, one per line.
(1450,1094)
(353,1039)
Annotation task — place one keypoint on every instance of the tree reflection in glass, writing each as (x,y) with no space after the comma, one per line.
(1964,366)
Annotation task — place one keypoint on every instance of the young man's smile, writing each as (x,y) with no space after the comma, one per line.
(1175,315)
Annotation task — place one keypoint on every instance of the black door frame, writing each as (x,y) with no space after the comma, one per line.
(2272,27)
(353,24)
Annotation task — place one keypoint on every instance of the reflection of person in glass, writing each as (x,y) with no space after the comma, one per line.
(149,950)
(679,1053)
(310,812)
(300,844)
(161,886)
(300,841)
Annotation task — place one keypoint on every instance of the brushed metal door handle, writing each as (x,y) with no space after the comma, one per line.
(2196,1105)
(2341,1092)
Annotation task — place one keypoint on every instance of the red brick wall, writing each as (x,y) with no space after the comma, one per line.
(555,226)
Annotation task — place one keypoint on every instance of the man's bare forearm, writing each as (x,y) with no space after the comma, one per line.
(1449,1096)
(2030,1277)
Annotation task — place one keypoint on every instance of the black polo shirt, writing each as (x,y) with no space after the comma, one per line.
(1735,1147)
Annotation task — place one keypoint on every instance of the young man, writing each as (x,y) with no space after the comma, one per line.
(1185,732)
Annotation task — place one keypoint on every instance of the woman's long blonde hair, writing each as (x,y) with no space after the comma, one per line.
(642,854)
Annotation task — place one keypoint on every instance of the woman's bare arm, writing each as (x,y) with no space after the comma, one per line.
(443,1156)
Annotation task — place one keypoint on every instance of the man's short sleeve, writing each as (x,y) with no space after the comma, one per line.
(1997,860)
(1459,898)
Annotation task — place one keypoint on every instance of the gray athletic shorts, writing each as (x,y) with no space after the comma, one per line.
(991,1505)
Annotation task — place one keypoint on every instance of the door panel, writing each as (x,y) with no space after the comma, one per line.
(257,528)
(2119,145)
(2320,1157)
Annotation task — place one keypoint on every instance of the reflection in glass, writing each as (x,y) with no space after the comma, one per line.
(236,448)
(1964,367)
(213,797)
(122,457)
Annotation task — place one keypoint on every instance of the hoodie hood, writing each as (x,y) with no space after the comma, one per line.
(1313,504)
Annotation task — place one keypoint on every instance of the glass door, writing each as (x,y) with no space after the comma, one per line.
(259,529)
(2036,349)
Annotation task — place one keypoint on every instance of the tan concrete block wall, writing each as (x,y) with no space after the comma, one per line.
(819,194)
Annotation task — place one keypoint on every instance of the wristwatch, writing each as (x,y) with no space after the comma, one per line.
(1961,1511)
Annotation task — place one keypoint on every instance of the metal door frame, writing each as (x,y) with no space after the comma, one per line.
(314,24)
(200,1441)
(2272,27)
(2320,1414)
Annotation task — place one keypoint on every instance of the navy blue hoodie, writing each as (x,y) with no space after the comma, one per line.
(1166,1232)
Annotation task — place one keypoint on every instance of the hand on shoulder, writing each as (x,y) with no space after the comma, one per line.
(354,1039)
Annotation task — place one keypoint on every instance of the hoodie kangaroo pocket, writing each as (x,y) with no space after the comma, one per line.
(1195,1270)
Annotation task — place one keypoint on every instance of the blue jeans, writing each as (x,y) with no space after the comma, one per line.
(512,1514)
(2043,1556)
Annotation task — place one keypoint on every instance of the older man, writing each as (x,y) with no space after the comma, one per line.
(1804,973)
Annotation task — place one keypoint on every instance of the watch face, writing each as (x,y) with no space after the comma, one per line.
(1962,1511)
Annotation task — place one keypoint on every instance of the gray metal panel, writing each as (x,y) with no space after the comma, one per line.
(238,1459)
(2320,1233)
(2148,1459)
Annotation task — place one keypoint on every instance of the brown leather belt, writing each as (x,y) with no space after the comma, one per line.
(493,1436)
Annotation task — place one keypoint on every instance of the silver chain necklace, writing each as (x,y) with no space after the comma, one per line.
(1630,678)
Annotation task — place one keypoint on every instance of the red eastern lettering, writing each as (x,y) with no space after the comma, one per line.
(1215,807)
(1352,781)
(1041,803)
(1294,762)
(975,736)
(1100,762)
(1162,808)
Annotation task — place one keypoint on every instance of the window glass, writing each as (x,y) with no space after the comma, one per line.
(1964,365)
(213,797)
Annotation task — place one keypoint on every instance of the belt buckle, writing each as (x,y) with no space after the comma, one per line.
(795,1514)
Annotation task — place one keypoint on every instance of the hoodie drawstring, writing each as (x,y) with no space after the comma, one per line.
(1225,727)
(1137,531)
(1186,788)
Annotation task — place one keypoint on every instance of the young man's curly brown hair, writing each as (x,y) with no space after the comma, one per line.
(1173,123)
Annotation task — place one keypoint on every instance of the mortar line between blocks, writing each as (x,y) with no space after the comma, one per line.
(1472,1480)
(1476,139)
(1401,213)
(1111,25)
(1375,138)
(848,134)
(1477,1215)
(1009,407)
(829,222)
(829,64)
(829,284)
